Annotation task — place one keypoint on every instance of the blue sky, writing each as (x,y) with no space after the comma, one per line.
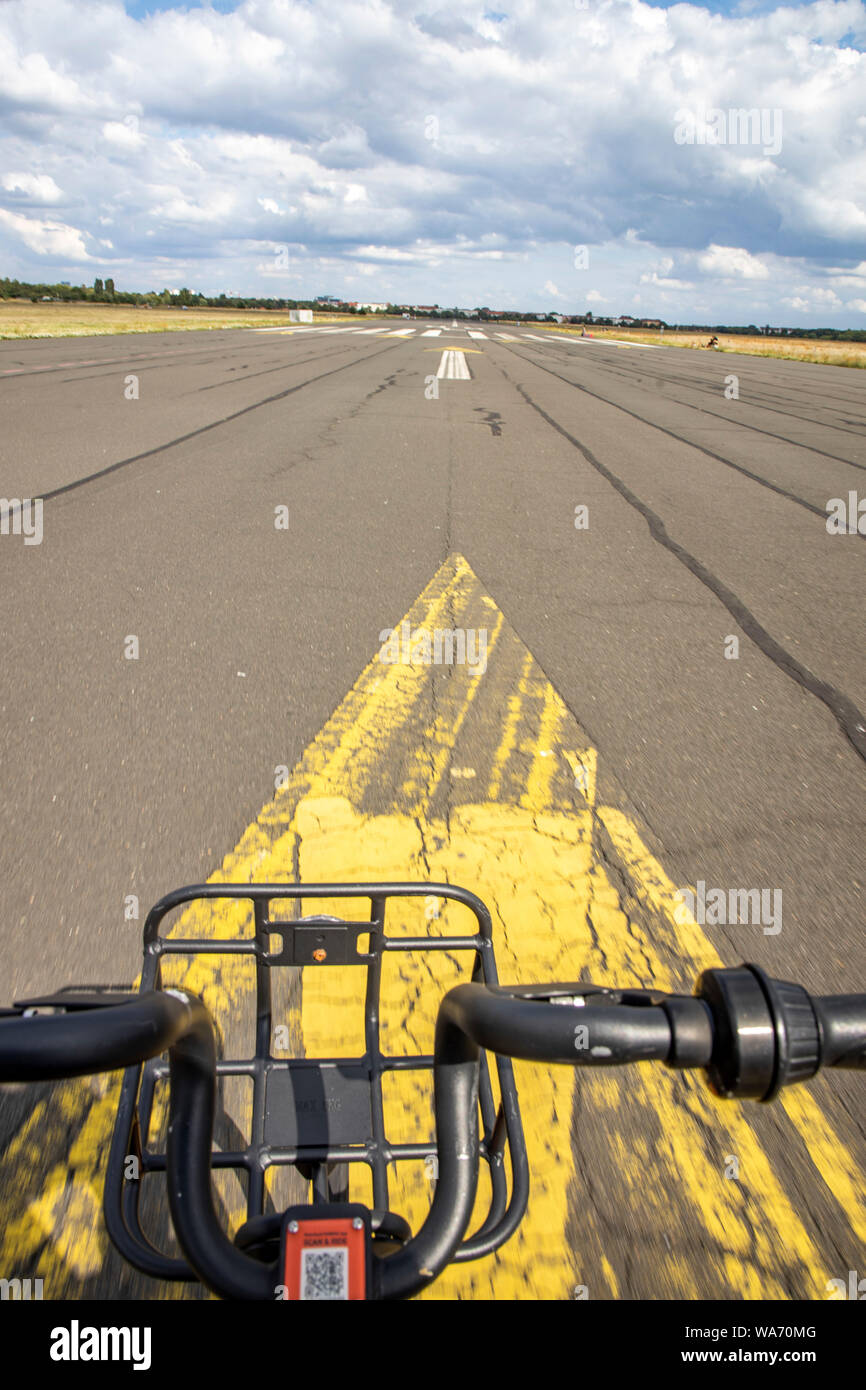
(140,9)
(543,154)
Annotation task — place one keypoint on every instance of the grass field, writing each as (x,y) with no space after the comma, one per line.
(796,349)
(19,318)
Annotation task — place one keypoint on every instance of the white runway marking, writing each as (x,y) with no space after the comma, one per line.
(474,333)
(431,333)
(452,366)
(292,328)
(575,338)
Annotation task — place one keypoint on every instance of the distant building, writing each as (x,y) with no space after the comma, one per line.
(373,308)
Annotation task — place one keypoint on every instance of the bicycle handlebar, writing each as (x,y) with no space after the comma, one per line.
(752,1034)
(53,1047)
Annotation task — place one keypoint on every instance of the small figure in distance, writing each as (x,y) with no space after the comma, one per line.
(713,343)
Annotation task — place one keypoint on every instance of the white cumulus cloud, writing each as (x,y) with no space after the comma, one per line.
(193,127)
(732,262)
(46,238)
(38,188)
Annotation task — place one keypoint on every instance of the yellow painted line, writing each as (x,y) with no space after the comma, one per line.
(832,1158)
(538,783)
(508,740)
(376,795)
(465,350)
(345,754)
(584,767)
(441,736)
(753,1218)
(335,838)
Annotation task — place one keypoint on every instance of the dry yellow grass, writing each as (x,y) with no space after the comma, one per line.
(19,318)
(836,354)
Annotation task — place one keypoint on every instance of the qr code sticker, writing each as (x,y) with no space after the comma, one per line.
(325,1273)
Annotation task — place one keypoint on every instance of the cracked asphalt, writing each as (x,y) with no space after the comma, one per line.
(706,523)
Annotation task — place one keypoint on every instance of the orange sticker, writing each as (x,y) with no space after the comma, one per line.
(325,1258)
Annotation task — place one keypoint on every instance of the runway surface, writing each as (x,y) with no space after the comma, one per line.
(670,690)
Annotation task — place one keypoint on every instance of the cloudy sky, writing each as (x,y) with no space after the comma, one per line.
(543,154)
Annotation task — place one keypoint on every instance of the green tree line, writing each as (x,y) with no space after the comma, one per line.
(104,292)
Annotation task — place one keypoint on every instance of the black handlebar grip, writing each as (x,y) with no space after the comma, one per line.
(46,1047)
(842,1019)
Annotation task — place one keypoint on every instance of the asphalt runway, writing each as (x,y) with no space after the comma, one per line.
(419,454)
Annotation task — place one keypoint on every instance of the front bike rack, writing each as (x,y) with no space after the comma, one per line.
(314,1114)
